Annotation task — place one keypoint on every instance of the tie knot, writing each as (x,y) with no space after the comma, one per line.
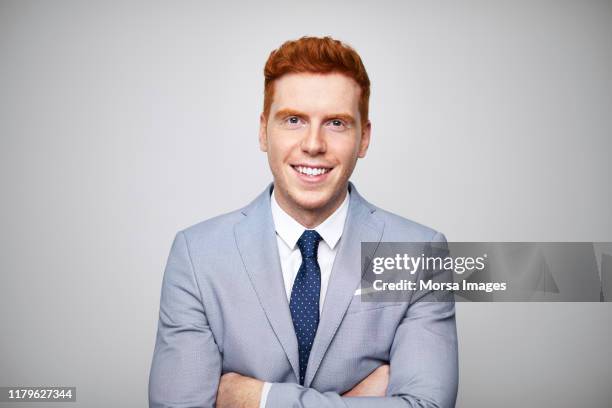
(309,243)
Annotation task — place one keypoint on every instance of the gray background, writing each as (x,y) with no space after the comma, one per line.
(123,122)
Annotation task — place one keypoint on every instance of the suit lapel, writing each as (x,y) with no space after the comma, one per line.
(360,226)
(256,241)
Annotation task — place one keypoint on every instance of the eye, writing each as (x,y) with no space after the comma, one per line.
(337,125)
(292,122)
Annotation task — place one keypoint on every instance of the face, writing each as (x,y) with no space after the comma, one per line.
(313,137)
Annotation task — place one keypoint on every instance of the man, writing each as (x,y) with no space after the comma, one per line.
(260,307)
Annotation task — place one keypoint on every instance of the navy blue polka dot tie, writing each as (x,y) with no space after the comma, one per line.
(305,294)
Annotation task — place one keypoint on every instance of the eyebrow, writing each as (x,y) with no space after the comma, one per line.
(283,113)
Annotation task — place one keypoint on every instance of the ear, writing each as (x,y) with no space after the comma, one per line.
(263,136)
(365,139)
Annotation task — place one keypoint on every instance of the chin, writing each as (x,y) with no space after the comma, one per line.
(312,200)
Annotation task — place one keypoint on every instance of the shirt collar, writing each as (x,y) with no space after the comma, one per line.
(290,230)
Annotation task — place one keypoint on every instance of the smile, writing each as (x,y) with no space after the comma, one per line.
(311,171)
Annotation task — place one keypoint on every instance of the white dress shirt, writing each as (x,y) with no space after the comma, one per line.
(288,231)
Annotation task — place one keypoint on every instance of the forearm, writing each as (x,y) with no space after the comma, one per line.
(283,395)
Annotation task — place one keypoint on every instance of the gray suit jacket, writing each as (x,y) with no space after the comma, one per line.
(224,309)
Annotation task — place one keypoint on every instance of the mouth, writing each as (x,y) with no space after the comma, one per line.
(311,173)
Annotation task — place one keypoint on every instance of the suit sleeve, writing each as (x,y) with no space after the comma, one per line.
(423,361)
(186,363)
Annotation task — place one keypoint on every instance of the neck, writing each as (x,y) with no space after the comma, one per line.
(310,218)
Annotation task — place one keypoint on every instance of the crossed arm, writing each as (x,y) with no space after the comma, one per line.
(238,391)
(186,367)
(422,372)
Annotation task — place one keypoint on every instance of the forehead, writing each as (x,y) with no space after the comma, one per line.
(314,93)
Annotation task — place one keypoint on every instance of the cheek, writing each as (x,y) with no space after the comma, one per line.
(344,149)
(282,144)
(280,148)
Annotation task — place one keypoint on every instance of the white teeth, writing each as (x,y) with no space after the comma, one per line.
(311,171)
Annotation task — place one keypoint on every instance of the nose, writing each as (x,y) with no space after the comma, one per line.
(313,142)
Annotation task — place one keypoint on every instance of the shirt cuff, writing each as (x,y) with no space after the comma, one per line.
(264,394)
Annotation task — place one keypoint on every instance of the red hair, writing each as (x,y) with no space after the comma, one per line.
(318,56)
